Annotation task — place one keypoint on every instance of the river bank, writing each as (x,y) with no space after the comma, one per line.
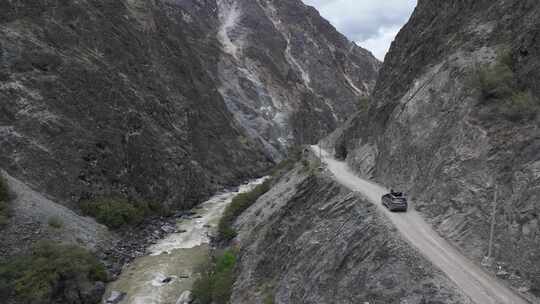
(166,269)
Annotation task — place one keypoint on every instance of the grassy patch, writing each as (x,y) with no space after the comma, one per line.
(49,273)
(4,213)
(522,105)
(55,222)
(268,298)
(4,191)
(116,213)
(497,81)
(216,279)
(310,167)
(243,201)
(499,87)
(363,104)
(294,155)
(4,205)
(239,204)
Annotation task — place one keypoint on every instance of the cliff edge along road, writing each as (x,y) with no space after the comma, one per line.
(471,279)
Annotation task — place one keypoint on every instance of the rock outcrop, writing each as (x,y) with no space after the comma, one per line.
(287,75)
(112,98)
(435,131)
(166,100)
(310,240)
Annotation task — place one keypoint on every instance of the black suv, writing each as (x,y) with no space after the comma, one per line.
(395,201)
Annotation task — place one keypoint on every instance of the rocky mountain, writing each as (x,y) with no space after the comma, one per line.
(287,75)
(166,100)
(120,104)
(110,97)
(454,121)
(329,245)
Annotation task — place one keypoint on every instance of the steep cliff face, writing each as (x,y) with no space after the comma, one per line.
(454,118)
(286,73)
(111,97)
(140,98)
(310,240)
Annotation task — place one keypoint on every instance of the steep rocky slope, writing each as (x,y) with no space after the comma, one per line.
(310,240)
(454,118)
(166,100)
(111,97)
(287,75)
(31,214)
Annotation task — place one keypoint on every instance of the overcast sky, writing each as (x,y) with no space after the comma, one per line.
(373,24)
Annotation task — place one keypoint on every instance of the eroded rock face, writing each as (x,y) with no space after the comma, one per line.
(310,240)
(166,100)
(112,97)
(430,133)
(287,75)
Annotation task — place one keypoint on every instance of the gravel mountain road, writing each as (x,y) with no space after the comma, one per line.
(470,278)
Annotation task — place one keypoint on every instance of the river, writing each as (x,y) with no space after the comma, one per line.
(174,259)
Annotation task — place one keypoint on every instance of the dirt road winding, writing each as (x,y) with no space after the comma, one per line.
(470,278)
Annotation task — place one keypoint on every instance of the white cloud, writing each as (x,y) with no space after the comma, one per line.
(372,23)
(380,44)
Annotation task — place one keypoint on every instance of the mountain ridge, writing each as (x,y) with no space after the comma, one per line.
(454,118)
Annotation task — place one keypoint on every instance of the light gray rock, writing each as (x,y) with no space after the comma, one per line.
(113,117)
(115,297)
(185,298)
(430,132)
(31,212)
(310,240)
(287,75)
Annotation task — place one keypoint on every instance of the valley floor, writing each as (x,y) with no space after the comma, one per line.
(168,271)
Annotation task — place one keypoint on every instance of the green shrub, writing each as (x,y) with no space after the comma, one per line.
(363,104)
(4,192)
(226,232)
(496,81)
(522,105)
(49,273)
(113,212)
(4,220)
(243,201)
(203,285)
(498,85)
(4,205)
(215,281)
(268,298)
(55,222)
(293,156)
(239,204)
(119,212)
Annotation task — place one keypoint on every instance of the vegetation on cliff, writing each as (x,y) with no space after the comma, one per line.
(116,213)
(239,204)
(243,201)
(216,279)
(51,273)
(4,193)
(499,86)
(4,198)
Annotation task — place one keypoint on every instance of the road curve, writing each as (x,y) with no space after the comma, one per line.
(470,278)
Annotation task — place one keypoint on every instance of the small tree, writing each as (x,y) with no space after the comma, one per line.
(499,86)
(4,192)
(363,103)
(50,273)
(216,280)
(4,206)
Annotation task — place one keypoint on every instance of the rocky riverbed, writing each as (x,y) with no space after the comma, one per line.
(164,271)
